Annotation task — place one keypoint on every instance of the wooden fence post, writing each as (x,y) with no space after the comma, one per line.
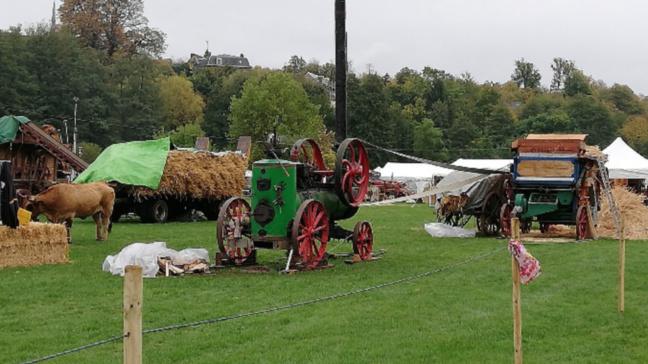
(133,314)
(622,268)
(517,309)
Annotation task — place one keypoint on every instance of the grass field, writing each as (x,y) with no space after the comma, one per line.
(462,315)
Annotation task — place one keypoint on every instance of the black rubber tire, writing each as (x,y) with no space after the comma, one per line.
(154,211)
(211,209)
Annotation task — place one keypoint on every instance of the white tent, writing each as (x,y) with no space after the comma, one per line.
(411,171)
(417,176)
(624,162)
(492,164)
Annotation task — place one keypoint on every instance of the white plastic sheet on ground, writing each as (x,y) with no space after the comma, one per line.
(146,256)
(441,230)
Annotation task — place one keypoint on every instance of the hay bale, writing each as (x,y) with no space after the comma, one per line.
(33,244)
(198,175)
(633,211)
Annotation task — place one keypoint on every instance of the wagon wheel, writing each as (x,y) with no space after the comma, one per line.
(233,230)
(581,223)
(363,240)
(489,222)
(307,151)
(352,171)
(310,233)
(505,219)
(544,227)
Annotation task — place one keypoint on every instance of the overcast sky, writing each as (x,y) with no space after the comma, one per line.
(605,38)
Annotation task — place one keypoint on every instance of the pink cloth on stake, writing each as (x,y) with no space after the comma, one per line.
(529,266)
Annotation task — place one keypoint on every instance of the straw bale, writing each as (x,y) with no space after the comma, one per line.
(199,175)
(633,211)
(33,244)
(594,151)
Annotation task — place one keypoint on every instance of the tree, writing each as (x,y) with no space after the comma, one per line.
(184,135)
(369,114)
(539,104)
(624,99)
(89,151)
(180,103)
(16,80)
(635,132)
(319,95)
(562,69)
(591,116)
(273,101)
(112,26)
(296,64)
(217,109)
(135,105)
(577,83)
(554,121)
(428,141)
(526,75)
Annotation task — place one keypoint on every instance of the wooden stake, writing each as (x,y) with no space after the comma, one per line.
(517,309)
(622,268)
(133,314)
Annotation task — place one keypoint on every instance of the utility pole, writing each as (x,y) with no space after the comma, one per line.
(67,134)
(74,137)
(340,70)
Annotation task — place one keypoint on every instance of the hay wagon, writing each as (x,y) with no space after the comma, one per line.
(555,179)
(159,182)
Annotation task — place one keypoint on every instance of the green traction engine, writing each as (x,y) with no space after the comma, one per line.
(295,205)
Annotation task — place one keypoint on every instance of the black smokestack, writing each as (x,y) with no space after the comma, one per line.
(340,70)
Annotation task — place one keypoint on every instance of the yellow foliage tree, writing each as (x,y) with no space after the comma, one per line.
(635,132)
(181,104)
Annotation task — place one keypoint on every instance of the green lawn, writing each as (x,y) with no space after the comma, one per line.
(461,315)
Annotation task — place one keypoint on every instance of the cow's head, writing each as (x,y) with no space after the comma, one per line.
(34,205)
(23,197)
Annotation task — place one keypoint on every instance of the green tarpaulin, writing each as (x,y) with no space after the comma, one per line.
(9,127)
(133,163)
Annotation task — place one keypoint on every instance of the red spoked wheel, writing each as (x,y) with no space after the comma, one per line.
(307,151)
(581,223)
(352,171)
(310,233)
(363,240)
(233,230)
(505,219)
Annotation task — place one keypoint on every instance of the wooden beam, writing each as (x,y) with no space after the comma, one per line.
(621,303)
(517,304)
(133,287)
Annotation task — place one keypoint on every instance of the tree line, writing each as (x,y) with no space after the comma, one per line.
(105,54)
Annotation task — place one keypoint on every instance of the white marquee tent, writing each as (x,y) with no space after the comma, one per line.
(624,162)
(411,171)
(492,164)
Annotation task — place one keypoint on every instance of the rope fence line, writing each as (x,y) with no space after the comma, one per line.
(77,349)
(276,308)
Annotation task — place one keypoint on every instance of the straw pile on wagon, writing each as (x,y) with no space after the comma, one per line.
(198,175)
(633,211)
(33,244)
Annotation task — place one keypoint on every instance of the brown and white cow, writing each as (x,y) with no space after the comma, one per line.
(62,202)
